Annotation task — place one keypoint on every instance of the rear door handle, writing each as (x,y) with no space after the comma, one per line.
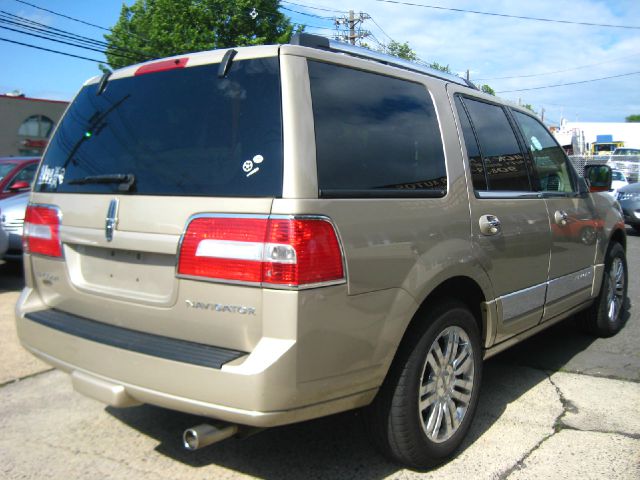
(490,225)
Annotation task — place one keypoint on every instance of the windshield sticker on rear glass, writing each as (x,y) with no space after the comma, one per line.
(51,177)
(249,166)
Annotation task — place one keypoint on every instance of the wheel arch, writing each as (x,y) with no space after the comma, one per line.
(618,235)
(461,288)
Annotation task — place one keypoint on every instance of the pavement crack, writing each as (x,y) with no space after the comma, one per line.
(519,465)
(570,407)
(567,406)
(26,377)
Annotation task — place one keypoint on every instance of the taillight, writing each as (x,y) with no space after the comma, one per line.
(41,234)
(276,251)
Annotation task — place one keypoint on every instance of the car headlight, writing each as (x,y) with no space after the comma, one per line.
(628,196)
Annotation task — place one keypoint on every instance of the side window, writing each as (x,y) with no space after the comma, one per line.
(549,160)
(478,174)
(504,163)
(374,132)
(26,174)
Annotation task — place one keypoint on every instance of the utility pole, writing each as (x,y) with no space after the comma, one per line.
(352,28)
(468,76)
(542,114)
(348,27)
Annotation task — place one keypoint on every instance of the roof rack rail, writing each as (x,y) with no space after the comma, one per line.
(323,43)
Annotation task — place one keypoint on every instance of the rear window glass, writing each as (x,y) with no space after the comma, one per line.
(177,132)
(374,133)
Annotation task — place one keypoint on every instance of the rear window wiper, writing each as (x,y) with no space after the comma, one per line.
(125,180)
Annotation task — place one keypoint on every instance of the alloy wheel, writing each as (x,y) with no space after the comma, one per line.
(615,297)
(446,384)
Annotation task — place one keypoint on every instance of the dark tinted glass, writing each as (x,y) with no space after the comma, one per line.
(503,160)
(374,132)
(478,175)
(549,160)
(179,132)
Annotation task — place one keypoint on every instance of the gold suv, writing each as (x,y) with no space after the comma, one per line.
(270,234)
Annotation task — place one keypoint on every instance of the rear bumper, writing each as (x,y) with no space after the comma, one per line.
(132,340)
(260,388)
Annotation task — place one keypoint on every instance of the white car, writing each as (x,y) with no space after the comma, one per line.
(12,212)
(619,181)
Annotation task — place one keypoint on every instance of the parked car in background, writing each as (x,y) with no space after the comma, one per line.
(629,199)
(618,181)
(626,151)
(4,242)
(16,174)
(12,212)
(627,160)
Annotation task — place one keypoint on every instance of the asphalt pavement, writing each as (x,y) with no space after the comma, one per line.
(560,405)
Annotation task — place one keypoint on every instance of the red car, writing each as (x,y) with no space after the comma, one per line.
(16,174)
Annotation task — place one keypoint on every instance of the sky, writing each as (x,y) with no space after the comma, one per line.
(531,53)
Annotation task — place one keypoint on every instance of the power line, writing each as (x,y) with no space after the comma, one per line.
(77,19)
(383,32)
(570,83)
(504,15)
(319,28)
(77,45)
(315,8)
(558,71)
(40,28)
(28,23)
(50,50)
(63,16)
(277,14)
(33,26)
(306,14)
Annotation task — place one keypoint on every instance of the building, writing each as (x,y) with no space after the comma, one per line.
(27,123)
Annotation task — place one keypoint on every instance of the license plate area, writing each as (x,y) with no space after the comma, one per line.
(133,275)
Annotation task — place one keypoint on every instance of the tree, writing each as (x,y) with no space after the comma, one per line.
(442,68)
(632,118)
(529,107)
(401,50)
(159,28)
(487,89)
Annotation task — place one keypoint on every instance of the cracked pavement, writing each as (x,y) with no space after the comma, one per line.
(561,405)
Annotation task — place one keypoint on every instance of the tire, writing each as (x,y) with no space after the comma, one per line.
(607,314)
(411,419)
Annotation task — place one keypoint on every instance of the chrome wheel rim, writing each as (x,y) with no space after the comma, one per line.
(446,384)
(615,293)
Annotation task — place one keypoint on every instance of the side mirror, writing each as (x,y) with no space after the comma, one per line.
(19,185)
(599,177)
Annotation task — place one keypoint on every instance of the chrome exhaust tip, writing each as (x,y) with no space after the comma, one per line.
(203,435)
